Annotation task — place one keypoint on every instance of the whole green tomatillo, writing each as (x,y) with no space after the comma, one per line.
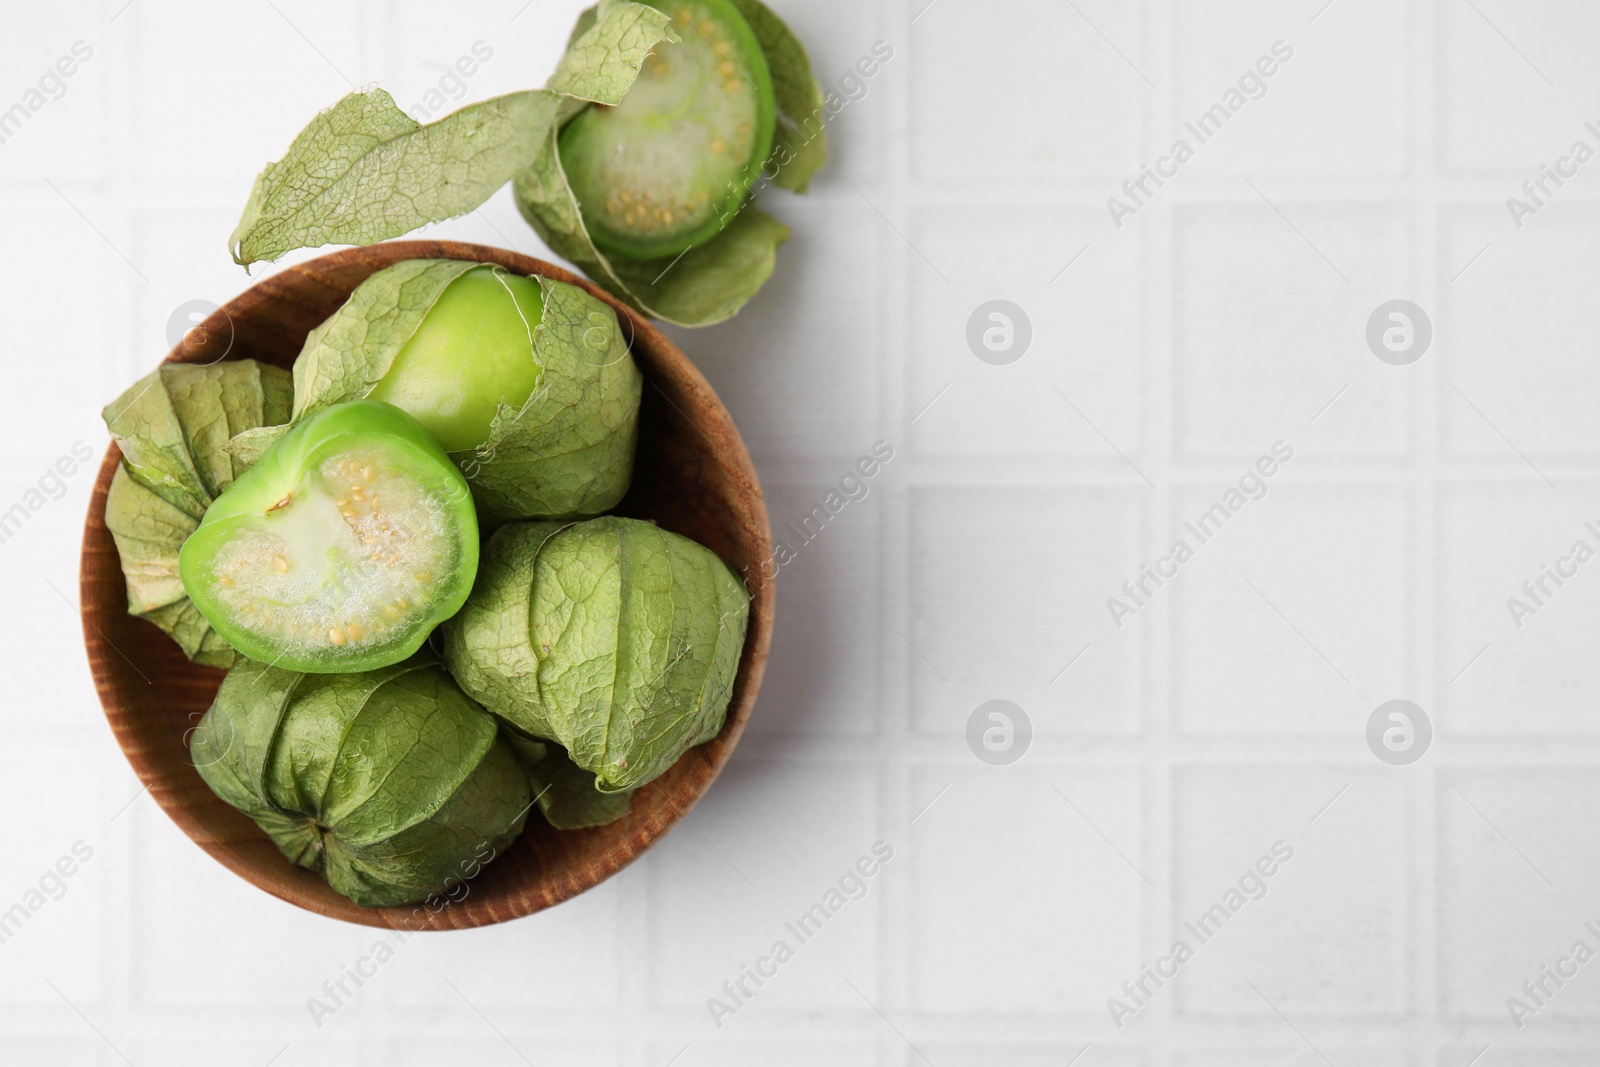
(341,549)
(614,638)
(471,353)
(390,783)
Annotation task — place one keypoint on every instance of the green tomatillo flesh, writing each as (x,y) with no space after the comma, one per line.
(669,167)
(472,352)
(341,549)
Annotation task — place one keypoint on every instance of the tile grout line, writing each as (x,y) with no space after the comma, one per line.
(1422,791)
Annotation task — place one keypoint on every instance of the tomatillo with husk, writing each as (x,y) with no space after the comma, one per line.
(472,352)
(672,164)
(391,783)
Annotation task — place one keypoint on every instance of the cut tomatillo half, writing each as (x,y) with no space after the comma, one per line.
(671,165)
(343,547)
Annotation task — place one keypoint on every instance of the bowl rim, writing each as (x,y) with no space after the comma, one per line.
(705,760)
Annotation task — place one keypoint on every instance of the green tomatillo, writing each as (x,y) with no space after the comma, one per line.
(390,783)
(341,549)
(616,639)
(471,353)
(669,167)
(637,162)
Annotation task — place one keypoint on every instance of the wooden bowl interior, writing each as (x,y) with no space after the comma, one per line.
(693,476)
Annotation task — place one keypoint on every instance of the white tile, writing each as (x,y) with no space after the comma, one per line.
(57,343)
(823,675)
(1510,661)
(1312,581)
(1337,104)
(59,67)
(1086,346)
(206,115)
(1513,851)
(1325,936)
(291,951)
(1265,331)
(1001,605)
(817,396)
(993,1054)
(1004,872)
(162,241)
(477,1042)
(54,886)
(42,651)
(1543,1056)
(516,45)
(769,842)
(1284,1054)
(1027,89)
(194,1051)
(1520,322)
(579,940)
(1511,81)
(1191,339)
(728,1049)
(75,1051)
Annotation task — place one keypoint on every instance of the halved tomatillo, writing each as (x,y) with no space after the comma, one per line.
(341,549)
(669,166)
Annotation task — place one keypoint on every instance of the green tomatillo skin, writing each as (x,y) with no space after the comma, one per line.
(471,353)
(671,165)
(341,549)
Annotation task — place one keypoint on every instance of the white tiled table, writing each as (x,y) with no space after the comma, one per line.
(1168,354)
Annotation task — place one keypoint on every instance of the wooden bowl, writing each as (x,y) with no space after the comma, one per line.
(693,476)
